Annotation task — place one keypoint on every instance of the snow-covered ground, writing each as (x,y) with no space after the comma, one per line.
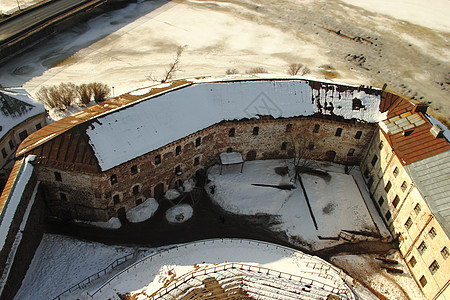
(336,202)
(10,6)
(412,57)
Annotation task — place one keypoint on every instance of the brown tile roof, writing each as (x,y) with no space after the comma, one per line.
(10,183)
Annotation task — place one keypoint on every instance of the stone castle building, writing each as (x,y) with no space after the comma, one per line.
(102,161)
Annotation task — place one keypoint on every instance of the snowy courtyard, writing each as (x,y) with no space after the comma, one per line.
(338,204)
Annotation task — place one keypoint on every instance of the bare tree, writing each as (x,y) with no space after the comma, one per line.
(294,69)
(57,97)
(84,93)
(67,93)
(100,91)
(232,71)
(256,70)
(175,66)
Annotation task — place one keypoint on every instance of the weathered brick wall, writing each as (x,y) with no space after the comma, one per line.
(99,197)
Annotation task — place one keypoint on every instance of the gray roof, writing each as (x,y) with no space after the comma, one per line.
(432,176)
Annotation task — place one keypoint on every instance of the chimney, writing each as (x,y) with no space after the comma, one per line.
(437,131)
(420,107)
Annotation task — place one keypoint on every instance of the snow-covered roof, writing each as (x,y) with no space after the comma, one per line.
(126,133)
(16,106)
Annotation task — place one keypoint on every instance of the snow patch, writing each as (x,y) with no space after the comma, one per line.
(189,185)
(179,213)
(113,223)
(143,211)
(172,194)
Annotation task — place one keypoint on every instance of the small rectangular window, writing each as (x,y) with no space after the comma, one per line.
(135,190)
(113,179)
(229,149)
(380,145)
(388,186)
(198,141)
(338,132)
(432,233)
(4,154)
(288,127)
(178,150)
(422,247)
(231,132)
(408,223)
(178,170)
(370,182)
(366,173)
(381,201)
(388,216)
(196,161)
(158,159)
(38,126)
(316,128)
(433,267)
(23,135)
(358,135)
(63,197)
(412,262)
(374,160)
(417,208)
(58,176)
(351,151)
(396,201)
(284,146)
(311,146)
(116,199)
(404,186)
(423,281)
(11,145)
(396,171)
(255,130)
(134,170)
(445,253)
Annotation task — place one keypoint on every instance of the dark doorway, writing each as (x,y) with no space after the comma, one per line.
(330,155)
(251,155)
(159,190)
(121,214)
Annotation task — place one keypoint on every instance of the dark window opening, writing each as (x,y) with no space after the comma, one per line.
(404,186)
(232,132)
(198,141)
(255,130)
(178,170)
(157,159)
(4,154)
(433,267)
(316,128)
(358,135)
(380,145)
(338,132)
(58,176)
(422,247)
(38,126)
(138,201)
(412,261)
(311,146)
(366,173)
(135,189)
(381,201)
(284,146)
(417,208)
(116,199)
(134,170)
(445,253)
(178,150)
(374,160)
(113,179)
(388,186)
(23,135)
(408,223)
(63,196)
(288,127)
(396,201)
(432,233)
(351,151)
(229,150)
(388,216)
(396,171)
(196,161)
(423,281)
(370,182)
(11,145)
